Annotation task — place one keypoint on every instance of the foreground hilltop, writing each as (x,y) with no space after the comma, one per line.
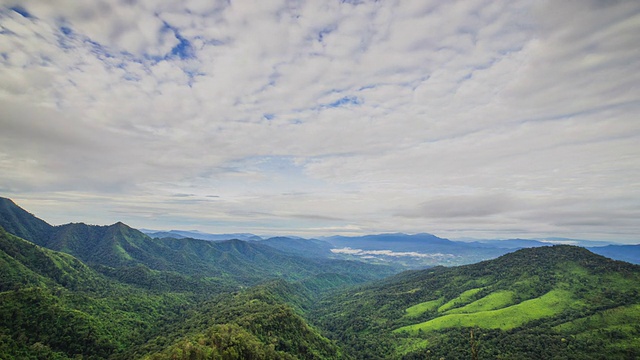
(548,302)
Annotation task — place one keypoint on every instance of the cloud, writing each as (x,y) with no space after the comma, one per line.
(368,253)
(483,117)
(463,206)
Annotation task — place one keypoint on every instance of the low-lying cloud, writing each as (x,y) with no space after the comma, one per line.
(366,253)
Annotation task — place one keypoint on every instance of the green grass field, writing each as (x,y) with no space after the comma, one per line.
(418,309)
(463,299)
(493,301)
(620,317)
(550,304)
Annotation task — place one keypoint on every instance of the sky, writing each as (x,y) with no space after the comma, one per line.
(475,118)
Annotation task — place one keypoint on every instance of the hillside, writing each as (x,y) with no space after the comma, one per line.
(21,223)
(547,302)
(263,322)
(53,306)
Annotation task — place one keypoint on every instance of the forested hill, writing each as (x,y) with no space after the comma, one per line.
(52,306)
(113,292)
(548,302)
(21,223)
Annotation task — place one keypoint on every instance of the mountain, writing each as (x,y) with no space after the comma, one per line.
(628,253)
(181,234)
(510,243)
(21,223)
(412,251)
(131,256)
(545,302)
(24,264)
(113,292)
(302,247)
(53,306)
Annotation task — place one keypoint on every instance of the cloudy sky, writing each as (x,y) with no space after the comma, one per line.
(478,118)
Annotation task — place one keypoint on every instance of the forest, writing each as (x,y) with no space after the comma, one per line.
(80,291)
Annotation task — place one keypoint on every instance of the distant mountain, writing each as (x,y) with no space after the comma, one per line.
(510,243)
(412,251)
(629,253)
(303,247)
(545,302)
(181,234)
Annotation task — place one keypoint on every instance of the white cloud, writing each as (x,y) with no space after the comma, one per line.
(465,118)
(371,253)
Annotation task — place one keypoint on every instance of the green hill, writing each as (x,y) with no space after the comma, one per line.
(263,322)
(53,306)
(548,302)
(21,223)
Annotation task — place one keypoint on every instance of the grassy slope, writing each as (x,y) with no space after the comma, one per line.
(506,318)
(460,300)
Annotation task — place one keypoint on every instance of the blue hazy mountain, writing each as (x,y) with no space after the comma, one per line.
(628,253)
(194,234)
(302,247)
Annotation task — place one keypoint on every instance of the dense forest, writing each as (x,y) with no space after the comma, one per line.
(111,292)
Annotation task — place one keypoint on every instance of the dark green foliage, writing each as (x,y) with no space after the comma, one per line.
(257,323)
(221,342)
(53,304)
(21,223)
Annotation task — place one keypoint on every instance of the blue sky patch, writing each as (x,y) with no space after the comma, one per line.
(65,30)
(183,50)
(22,11)
(347,100)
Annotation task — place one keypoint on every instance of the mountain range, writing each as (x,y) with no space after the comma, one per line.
(410,251)
(113,292)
